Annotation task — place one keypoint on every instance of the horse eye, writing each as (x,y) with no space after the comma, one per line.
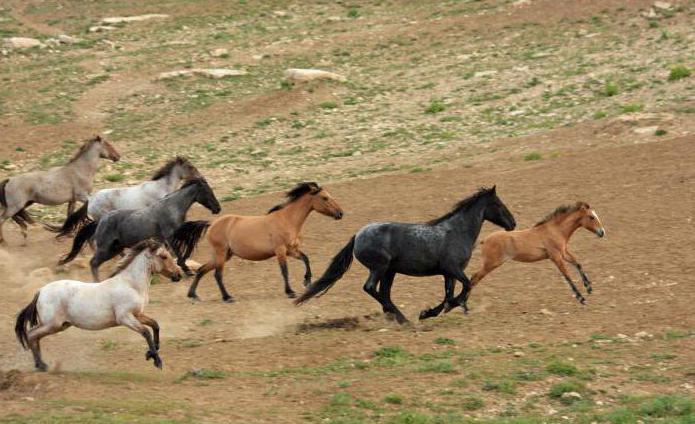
(325,198)
(591,217)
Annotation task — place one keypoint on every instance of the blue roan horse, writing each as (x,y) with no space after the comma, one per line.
(440,247)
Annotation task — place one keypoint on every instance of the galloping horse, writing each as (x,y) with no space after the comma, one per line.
(69,183)
(121,229)
(258,238)
(442,246)
(548,239)
(119,300)
(166,180)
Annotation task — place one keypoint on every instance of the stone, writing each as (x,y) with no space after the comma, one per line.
(571,395)
(662,5)
(646,130)
(643,335)
(312,74)
(101,28)
(216,73)
(22,43)
(219,52)
(485,73)
(546,312)
(519,354)
(66,39)
(138,18)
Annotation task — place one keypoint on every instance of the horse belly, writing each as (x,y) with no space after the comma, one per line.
(52,189)
(90,312)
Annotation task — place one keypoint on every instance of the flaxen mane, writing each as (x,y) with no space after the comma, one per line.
(87,144)
(562,210)
(461,205)
(134,252)
(169,166)
(298,191)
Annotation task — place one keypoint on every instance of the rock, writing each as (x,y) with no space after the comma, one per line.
(571,395)
(519,354)
(260,56)
(193,265)
(66,39)
(211,73)
(646,130)
(651,14)
(546,312)
(280,13)
(312,74)
(126,19)
(662,5)
(219,52)
(519,3)
(101,28)
(484,73)
(42,274)
(643,335)
(22,43)
(334,19)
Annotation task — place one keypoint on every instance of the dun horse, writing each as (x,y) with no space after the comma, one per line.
(166,180)
(548,239)
(65,184)
(121,229)
(120,300)
(440,247)
(258,238)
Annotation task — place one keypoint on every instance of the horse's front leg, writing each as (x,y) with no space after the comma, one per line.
(560,264)
(448,301)
(71,208)
(281,254)
(298,254)
(569,257)
(180,258)
(462,298)
(130,321)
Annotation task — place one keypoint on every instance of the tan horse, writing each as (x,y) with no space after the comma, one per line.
(64,184)
(548,239)
(258,238)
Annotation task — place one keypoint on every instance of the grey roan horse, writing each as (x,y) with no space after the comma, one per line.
(442,246)
(121,229)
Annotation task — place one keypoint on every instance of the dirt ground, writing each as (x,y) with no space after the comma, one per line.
(522,88)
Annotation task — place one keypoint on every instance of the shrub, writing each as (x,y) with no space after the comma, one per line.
(435,106)
(679,72)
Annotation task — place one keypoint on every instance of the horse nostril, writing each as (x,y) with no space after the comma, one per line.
(176,277)
(339,215)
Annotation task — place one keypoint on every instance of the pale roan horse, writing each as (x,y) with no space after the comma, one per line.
(65,184)
(119,300)
(165,181)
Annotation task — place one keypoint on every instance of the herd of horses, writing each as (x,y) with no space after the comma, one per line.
(146,225)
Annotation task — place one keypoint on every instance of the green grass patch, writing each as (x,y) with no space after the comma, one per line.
(610,89)
(532,156)
(565,369)
(393,399)
(503,386)
(204,374)
(444,341)
(632,108)
(435,106)
(679,72)
(114,178)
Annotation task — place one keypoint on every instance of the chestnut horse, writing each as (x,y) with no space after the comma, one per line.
(548,239)
(258,238)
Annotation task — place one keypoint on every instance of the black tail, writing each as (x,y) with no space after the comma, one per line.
(28,314)
(338,267)
(19,217)
(72,224)
(186,237)
(85,233)
(3,198)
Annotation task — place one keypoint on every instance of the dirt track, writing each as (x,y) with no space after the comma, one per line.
(642,272)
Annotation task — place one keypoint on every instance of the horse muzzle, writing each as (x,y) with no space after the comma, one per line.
(600,232)
(338,216)
(175,277)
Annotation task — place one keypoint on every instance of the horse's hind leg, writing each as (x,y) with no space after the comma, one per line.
(385,296)
(447,302)
(134,324)
(204,269)
(281,254)
(34,337)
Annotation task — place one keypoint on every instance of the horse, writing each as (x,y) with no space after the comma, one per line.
(69,183)
(166,180)
(548,239)
(121,229)
(257,238)
(119,300)
(442,246)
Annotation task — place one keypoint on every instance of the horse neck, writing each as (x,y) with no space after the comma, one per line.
(297,212)
(567,224)
(468,220)
(172,180)
(137,273)
(181,200)
(87,162)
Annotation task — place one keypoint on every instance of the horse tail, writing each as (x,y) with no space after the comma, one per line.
(338,267)
(3,196)
(85,233)
(186,237)
(73,223)
(27,315)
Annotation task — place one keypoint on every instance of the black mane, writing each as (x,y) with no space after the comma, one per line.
(193,181)
(468,201)
(298,191)
(561,210)
(169,166)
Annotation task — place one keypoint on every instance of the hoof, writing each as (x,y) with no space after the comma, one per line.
(424,314)
(582,300)
(193,296)
(41,366)
(291,295)
(403,321)
(229,299)
(307,282)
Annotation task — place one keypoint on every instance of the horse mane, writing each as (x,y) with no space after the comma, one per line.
(298,191)
(463,204)
(193,181)
(132,254)
(84,147)
(562,210)
(169,166)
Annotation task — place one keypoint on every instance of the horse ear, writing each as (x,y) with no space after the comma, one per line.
(97,138)
(493,190)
